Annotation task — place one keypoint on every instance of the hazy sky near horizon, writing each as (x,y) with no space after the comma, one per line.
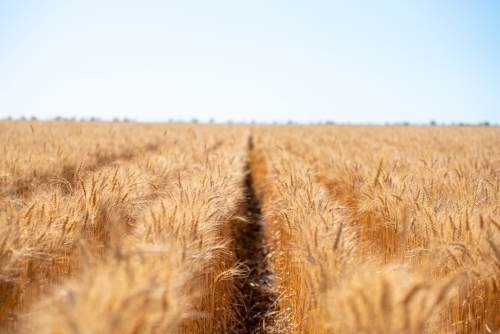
(263,61)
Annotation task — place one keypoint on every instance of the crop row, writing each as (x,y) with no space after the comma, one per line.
(382,229)
(139,241)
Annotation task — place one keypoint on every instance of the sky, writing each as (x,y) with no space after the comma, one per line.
(353,62)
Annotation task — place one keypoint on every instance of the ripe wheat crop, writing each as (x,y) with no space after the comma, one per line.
(192,228)
(134,237)
(416,210)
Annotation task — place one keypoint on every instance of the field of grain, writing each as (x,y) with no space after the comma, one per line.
(206,228)
(382,229)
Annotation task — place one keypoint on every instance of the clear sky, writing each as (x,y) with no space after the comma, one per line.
(263,61)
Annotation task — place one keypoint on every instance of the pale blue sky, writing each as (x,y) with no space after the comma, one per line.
(341,61)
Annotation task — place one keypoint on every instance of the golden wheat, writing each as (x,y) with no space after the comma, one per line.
(417,199)
(125,228)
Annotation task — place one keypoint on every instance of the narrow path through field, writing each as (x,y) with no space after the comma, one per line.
(255,288)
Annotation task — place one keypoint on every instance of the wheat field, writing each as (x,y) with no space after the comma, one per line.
(211,228)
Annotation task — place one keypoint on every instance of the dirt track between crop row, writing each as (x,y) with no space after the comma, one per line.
(256,286)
